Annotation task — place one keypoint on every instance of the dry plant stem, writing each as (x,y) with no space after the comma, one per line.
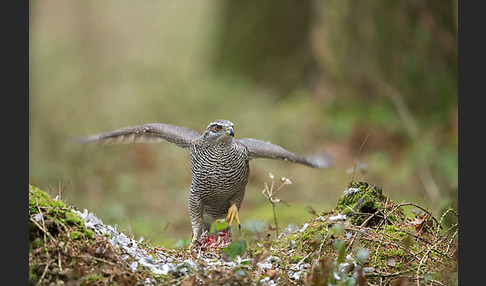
(45,269)
(424,258)
(270,193)
(453,225)
(46,233)
(302,260)
(378,248)
(43,226)
(275,218)
(384,275)
(357,156)
(451,240)
(362,226)
(409,204)
(441,220)
(59,264)
(43,229)
(425,210)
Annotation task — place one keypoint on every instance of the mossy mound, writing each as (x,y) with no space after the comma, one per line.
(53,214)
(368,237)
(62,250)
(364,203)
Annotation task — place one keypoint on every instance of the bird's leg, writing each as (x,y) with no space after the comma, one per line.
(195,211)
(233,214)
(195,244)
(194,237)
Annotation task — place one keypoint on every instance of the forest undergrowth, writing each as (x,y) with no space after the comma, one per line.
(366,239)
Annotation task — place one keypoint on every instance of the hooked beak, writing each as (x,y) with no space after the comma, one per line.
(230,131)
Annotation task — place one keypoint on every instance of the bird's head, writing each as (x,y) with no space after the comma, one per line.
(220,129)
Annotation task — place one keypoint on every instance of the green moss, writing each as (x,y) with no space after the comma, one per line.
(73,219)
(390,229)
(295,259)
(359,200)
(57,210)
(72,263)
(370,203)
(83,234)
(313,231)
(395,234)
(39,198)
(89,233)
(365,195)
(94,277)
(32,272)
(76,235)
(393,252)
(37,243)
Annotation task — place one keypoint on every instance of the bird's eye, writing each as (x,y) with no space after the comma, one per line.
(217,127)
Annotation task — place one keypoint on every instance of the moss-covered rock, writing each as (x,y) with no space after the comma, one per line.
(363,203)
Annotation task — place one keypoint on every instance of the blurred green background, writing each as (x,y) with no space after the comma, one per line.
(307,75)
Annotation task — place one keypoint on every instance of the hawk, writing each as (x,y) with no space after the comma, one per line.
(219,164)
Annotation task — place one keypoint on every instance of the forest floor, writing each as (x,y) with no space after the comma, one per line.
(366,239)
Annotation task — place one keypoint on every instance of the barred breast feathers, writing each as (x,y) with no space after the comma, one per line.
(222,167)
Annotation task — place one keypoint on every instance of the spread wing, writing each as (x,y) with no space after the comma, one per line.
(261,149)
(152,132)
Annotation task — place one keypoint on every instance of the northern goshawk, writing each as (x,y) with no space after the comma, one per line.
(219,163)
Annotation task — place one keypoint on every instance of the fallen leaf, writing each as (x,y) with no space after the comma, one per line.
(271,273)
(390,261)
(190,281)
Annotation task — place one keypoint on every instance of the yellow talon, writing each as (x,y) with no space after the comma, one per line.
(233,214)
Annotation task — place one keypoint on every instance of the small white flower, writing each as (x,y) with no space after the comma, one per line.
(286,181)
(270,175)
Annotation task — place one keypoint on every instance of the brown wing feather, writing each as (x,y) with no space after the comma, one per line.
(261,149)
(152,132)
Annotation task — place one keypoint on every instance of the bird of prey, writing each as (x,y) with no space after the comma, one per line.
(219,164)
